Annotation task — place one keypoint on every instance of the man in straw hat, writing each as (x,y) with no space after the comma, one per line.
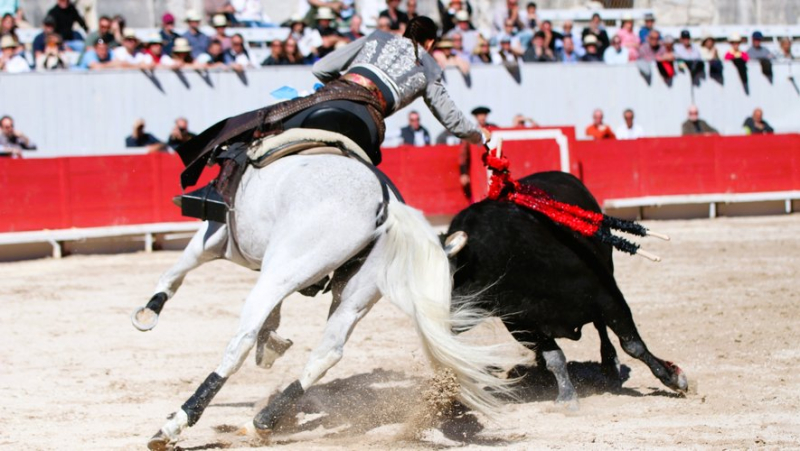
(129,52)
(197,40)
(181,56)
(220,24)
(11,61)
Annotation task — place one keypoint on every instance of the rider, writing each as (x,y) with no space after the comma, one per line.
(383,73)
(395,71)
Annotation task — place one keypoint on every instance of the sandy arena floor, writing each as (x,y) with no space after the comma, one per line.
(724,304)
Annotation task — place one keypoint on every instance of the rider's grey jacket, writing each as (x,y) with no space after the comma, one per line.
(391,58)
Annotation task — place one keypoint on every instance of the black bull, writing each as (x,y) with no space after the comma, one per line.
(547,282)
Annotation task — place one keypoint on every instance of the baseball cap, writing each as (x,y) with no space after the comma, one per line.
(167,18)
(685,34)
(758,35)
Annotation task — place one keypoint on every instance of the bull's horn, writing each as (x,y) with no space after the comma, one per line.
(454,243)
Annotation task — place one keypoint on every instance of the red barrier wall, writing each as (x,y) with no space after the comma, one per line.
(691,165)
(117,190)
(61,193)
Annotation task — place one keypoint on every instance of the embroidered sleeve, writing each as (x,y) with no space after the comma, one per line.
(330,67)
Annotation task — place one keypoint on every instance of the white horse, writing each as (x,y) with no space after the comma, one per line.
(304,217)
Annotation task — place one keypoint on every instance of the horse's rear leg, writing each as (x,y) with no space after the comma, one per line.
(354,294)
(207,244)
(617,315)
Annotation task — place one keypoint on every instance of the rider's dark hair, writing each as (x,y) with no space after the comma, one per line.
(420,30)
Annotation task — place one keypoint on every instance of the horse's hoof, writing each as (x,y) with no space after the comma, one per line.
(159,442)
(264,434)
(251,430)
(271,349)
(144,319)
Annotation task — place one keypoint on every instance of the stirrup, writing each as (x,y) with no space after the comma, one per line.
(205,203)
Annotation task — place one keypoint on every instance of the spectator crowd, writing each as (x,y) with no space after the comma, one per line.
(517,35)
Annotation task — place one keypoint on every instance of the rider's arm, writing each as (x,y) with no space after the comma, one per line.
(448,114)
(330,67)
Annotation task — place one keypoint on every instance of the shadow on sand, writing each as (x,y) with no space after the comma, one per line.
(588,378)
(353,406)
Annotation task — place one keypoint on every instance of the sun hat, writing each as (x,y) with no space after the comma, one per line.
(193,16)
(8,42)
(325,14)
(154,38)
(219,20)
(181,46)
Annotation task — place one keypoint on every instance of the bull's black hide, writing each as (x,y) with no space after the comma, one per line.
(546,281)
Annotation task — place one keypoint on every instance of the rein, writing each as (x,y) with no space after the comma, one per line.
(503,187)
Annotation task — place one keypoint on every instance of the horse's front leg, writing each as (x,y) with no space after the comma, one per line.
(264,297)
(207,244)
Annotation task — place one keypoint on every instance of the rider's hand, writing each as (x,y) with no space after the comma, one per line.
(487,135)
(464,179)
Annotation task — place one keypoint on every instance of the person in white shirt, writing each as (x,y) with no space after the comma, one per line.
(616,53)
(237,54)
(629,130)
(129,52)
(469,37)
(10,61)
(250,13)
(685,50)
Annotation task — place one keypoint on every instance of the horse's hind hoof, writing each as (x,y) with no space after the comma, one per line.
(159,442)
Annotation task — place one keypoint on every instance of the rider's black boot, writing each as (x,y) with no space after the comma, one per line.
(205,203)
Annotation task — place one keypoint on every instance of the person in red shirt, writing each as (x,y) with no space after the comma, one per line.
(734,52)
(598,130)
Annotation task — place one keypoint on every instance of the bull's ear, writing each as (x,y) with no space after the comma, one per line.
(454,243)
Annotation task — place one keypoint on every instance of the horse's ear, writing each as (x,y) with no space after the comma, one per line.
(454,243)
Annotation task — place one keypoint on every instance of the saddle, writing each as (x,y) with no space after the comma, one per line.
(214,201)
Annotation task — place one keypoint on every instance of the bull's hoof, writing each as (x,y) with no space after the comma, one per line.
(568,403)
(679,382)
(159,442)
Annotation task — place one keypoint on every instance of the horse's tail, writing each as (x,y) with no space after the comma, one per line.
(415,276)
